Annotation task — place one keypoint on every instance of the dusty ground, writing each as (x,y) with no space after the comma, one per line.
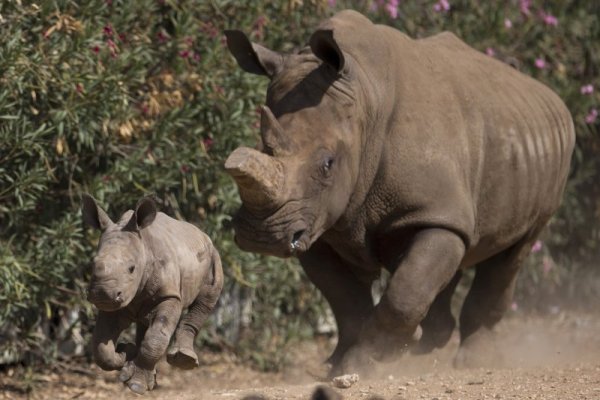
(551,358)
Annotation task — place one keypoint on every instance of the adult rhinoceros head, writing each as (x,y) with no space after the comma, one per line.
(297,183)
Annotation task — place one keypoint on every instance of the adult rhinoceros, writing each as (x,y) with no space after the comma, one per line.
(424,157)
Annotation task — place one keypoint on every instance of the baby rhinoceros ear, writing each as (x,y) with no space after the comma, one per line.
(92,214)
(144,214)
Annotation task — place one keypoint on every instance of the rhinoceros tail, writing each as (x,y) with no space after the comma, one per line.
(216,272)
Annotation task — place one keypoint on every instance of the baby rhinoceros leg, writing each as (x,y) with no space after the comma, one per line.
(181,354)
(138,379)
(129,349)
(109,326)
(140,373)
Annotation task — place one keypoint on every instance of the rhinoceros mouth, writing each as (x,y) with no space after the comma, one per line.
(105,301)
(300,242)
(286,238)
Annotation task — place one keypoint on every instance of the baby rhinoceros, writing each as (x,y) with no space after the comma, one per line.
(148,269)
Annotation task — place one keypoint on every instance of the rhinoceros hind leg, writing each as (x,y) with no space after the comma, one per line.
(439,323)
(488,299)
(182,357)
(181,354)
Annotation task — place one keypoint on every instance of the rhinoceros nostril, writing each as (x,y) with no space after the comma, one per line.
(296,239)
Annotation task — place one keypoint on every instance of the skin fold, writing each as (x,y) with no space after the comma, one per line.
(148,269)
(424,157)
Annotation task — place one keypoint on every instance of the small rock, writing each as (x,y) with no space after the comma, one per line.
(475,382)
(344,381)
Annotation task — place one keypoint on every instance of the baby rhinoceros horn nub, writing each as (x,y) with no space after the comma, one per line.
(259,177)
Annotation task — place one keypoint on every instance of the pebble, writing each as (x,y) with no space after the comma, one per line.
(344,381)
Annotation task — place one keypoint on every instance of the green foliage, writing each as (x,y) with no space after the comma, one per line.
(121,99)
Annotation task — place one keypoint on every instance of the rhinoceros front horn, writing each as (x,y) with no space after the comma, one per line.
(259,177)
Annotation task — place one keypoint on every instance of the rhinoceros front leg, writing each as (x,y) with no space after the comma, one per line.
(439,323)
(109,326)
(181,354)
(348,296)
(140,373)
(421,272)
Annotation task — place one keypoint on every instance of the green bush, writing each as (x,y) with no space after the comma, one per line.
(121,99)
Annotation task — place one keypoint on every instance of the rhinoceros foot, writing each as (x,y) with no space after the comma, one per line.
(374,348)
(479,350)
(138,379)
(182,357)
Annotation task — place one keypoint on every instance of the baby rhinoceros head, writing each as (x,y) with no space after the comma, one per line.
(118,267)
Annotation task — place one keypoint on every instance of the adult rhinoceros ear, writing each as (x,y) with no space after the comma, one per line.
(325,47)
(92,214)
(252,57)
(144,214)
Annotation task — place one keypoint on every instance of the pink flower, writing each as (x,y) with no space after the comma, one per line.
(376,5)
(441,5)
(514,306)
(549,19)
(207,142)
(592,116)
(392,8)
(490,52)
(524,7)
(184,54)
(507,23)
(96,49)
(108,31)
(537,246)
(540,63)
(209,29)
(259,26)
(587,89)
(162,37)
(112,47)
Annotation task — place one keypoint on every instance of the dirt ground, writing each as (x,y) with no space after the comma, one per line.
(555,357)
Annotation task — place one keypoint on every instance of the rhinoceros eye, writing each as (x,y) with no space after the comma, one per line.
(328,164)
(131,269)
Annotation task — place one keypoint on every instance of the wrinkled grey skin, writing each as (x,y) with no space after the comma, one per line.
(424,157)
(148,269)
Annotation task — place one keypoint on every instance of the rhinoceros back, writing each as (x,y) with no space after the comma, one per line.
(516,135)
(185,254)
